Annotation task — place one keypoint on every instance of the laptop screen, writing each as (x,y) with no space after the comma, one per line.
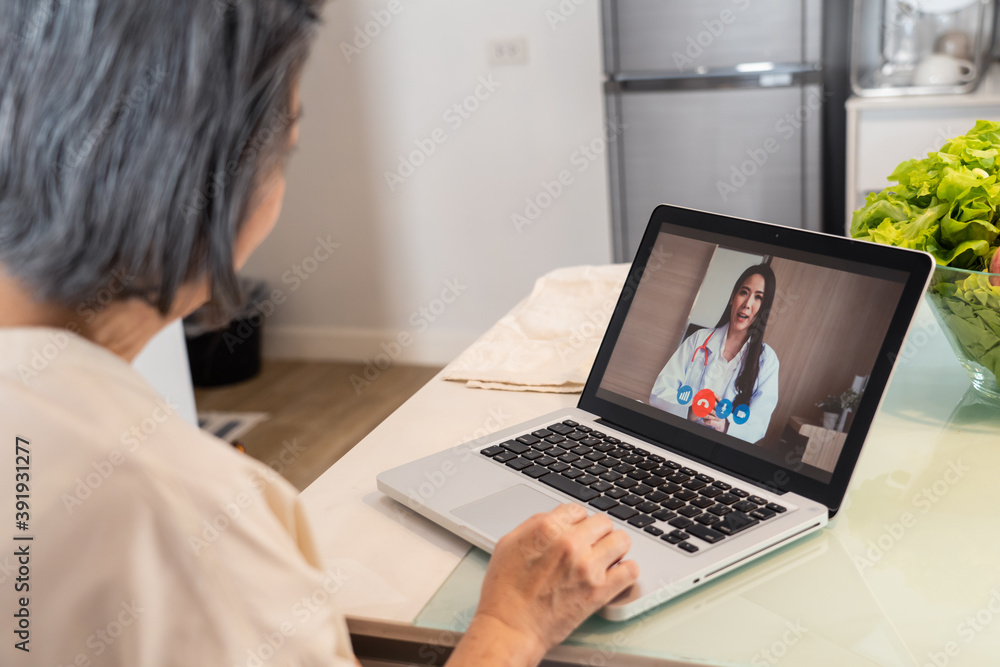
(762,348)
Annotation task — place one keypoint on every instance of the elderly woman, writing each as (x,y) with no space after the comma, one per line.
(142,147)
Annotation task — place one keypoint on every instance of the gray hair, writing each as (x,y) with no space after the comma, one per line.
(134,136)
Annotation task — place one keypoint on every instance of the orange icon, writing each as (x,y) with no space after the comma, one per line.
(704,402)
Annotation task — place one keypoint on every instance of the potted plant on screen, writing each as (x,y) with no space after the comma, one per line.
(831,407)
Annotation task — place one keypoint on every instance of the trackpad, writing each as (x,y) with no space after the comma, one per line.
(497,515)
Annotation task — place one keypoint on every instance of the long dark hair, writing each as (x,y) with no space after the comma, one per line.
(747,377)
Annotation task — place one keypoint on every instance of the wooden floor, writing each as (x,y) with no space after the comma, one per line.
(317,415)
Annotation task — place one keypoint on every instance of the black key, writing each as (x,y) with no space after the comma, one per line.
(705,533)
(657,458)
(688,547)
(677,478)
(641,521)
(590,442)
(639,474)
(535,471)
(689,511)
(532,455)
(581,450)
(632,459)
(611,476)
(601,486)
(520,464)
(596,470)
(607,447)
(527,439)
(702,502)
(641,489)
(720,510)
(616,493)
(711,491)
(722,485)
(623,468)
(542,433)
(555,439)
(581,463)
(572,473)
(655,481)
(735,522)
(542,446)
(663,515)
(775,507)
(583,429)
(545,461)
(569,487)
(505,456)
(592,455)
(689,472)
(515,446)
(612,441)
(561,429)
(672,503)
(640,450)
(726,499)
(607,462)
(671,464)
(556,451)
(745,506)
(491,451)
(586,479)
(663,471)
(704,478)
(576,436)
(684,494)
(653,530)
(626,483)
(763,514)
(623,512)
(568,457)
(647,507)
(558,466)
(569,422)
(648,465)
(757,500)
(680,522)
(598,434)
(603,503)
(694,484)
(675,536)
(740,493)
(708,519)
(670,487)
(656,496)
(632,500)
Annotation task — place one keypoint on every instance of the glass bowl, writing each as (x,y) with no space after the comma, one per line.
(967,306)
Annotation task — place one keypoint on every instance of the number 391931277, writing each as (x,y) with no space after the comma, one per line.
(22,479)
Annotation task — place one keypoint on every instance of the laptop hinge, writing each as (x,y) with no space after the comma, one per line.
(749,480)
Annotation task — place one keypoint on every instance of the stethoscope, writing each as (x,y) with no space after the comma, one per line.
(703,346)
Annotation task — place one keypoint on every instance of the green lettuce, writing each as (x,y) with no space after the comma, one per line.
(948,204)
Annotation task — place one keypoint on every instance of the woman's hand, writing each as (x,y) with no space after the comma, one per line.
(544,579)
(714,422)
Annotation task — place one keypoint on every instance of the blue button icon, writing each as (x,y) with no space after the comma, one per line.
(724,407)
(741,414)
(684,395)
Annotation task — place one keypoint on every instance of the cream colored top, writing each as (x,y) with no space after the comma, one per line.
(153,543)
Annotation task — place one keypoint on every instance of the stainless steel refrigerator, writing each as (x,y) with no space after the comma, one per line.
(720,105)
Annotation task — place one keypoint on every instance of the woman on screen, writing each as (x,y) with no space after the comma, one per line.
(727,377)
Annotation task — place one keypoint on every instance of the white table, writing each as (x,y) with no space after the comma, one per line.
(907,574)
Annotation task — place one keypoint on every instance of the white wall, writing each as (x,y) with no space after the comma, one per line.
(450,219)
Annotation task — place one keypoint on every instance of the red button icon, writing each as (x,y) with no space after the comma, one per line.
(704,402)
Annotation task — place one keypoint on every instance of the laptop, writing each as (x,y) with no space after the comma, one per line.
(699,430)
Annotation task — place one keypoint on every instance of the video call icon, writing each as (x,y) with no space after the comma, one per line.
(741,414)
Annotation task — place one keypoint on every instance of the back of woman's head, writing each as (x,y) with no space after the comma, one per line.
(134,135)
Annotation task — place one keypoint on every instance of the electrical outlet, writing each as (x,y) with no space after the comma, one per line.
(512,51)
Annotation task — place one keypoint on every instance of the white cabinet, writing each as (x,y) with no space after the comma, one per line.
(882,132)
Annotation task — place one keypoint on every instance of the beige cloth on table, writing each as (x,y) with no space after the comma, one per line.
(548,342)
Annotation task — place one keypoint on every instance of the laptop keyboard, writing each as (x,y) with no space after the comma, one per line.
(646,490)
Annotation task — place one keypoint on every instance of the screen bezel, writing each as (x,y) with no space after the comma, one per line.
(917,266)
